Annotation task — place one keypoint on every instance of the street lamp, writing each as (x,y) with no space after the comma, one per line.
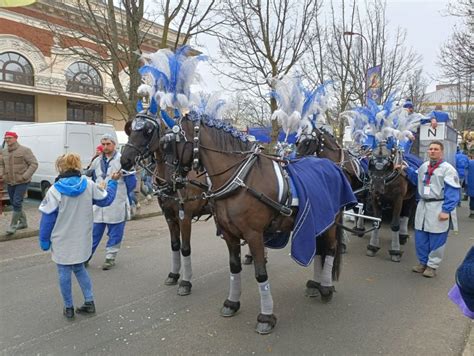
(351,33)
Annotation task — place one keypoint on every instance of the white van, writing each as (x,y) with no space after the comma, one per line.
(50,140)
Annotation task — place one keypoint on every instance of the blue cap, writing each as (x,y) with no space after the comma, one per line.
(408,105)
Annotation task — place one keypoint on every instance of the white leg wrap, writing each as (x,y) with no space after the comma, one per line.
(187,268)
(318,268)
(374,239)
(266,300)
(175,261)
(395,240)
(326,278)
(404,225)
(235,289)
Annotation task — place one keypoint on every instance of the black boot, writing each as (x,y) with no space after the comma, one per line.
(68,312)
(86,308)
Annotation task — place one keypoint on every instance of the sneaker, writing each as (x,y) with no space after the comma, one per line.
(68,312)
(108,264)
(419,268)
(86,308)
(429,272)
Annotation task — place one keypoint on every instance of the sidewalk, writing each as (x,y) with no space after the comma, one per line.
(33,216)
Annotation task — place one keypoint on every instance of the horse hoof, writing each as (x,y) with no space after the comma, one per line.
(248,260)
(312,289)
(403,239)
(265,324)
(184,288)
(370,253)
(172,279)
(230,308)
(326,293)
(396,258)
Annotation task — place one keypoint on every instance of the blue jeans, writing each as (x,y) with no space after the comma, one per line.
(16,193)
(65,283)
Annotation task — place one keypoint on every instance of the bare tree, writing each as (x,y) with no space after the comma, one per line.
(456,59)
(350,41)
(262,40)
(188,18)
(111,35)
(248,111)
(415,89)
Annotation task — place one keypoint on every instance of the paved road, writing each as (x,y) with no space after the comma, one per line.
(380,307)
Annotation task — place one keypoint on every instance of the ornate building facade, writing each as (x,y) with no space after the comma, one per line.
(40,81)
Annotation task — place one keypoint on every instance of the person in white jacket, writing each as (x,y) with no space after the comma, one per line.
(112,217)
(66,226)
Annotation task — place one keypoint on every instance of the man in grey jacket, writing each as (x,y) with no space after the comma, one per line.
(17,167)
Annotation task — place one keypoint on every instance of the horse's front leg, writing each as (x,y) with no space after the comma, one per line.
(374,243)
(266,320)
(173,226)
(232,303)
(185,283)
(395,252)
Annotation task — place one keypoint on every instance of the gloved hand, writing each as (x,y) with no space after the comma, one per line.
(45,245)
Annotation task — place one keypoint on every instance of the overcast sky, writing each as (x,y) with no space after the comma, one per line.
(425,21)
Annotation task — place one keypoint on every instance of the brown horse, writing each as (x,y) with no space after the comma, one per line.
(179,206)
(389,187)
(246,205)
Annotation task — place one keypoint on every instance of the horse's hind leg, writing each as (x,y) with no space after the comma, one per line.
(185,283)
(266,320)
(313,285)
(404,218)
(332,260)
(232,303)
(374,243)
(395,252)
(173,226)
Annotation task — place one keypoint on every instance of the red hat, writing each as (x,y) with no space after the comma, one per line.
(99,148)
(11,134)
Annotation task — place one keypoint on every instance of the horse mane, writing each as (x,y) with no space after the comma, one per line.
(224,135)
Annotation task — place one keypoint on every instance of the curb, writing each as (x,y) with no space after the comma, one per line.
(31,233)
(469,347)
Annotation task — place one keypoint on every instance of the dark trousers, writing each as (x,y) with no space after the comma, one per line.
(16,193)
(471,203)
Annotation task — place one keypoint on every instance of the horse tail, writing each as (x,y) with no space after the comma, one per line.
(336,268)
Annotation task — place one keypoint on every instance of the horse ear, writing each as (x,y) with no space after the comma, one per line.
(128,128)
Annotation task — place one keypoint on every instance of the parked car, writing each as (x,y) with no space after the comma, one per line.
(50,140)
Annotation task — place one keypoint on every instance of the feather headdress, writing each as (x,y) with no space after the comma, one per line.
(290,99)
(382,121)
(173,74)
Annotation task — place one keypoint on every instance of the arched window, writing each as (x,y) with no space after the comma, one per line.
(81,77)
(15,68)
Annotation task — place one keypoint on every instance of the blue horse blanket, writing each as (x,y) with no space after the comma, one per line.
(323,191)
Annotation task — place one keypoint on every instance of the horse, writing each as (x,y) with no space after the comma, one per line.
(388,186)
(179,204)
(323,144)
(246,204)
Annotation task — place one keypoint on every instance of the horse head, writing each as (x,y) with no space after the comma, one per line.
(319,143)
(309,144)
(143,139)
(179,153)
(381,166)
